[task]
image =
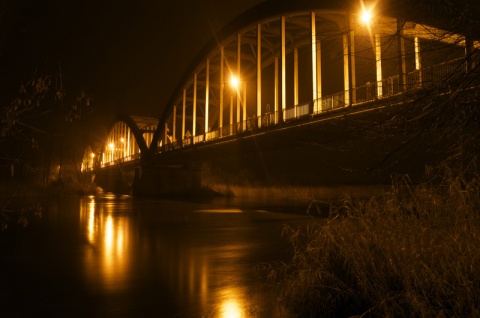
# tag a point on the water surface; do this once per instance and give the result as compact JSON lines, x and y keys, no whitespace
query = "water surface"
{"x":122,"y":256}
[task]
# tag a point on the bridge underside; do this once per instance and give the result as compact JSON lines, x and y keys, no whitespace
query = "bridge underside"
{"x":349,"y":147}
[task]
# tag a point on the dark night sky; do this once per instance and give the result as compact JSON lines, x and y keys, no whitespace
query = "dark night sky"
{"x":127,"y":54}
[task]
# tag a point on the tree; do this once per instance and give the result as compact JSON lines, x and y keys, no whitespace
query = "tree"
{"x":34,"y":129}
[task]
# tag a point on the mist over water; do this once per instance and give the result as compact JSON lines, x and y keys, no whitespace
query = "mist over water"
{"x":124,"y":256}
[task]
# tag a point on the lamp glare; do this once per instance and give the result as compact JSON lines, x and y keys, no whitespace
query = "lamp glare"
{"x":234,"y":81}
{"x":366,"y":16}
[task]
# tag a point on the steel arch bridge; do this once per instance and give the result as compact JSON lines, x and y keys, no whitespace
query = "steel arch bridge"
{"x":276,"y":64}
{"x":128,"y":137}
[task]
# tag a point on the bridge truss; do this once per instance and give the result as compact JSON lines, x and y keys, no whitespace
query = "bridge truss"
{"x":294,"y":64}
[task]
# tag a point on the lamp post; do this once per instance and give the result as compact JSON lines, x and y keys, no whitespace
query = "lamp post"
{"x":367,"y":18}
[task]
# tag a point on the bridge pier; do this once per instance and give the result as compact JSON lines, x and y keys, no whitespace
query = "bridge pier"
{"x":114,"y":179}
{"x":166,"y":181}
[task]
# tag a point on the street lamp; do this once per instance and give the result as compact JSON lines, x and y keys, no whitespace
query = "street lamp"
{"x":234,"y":81}
{"x":366,"y":15}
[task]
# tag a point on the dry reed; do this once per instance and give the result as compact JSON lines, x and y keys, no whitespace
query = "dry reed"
{"x":415,"y":252}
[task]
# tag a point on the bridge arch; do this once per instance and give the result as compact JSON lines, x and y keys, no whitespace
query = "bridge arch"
{"x":281,"y":52}
{"x":128,"y":138}
{"x":89,"y":160}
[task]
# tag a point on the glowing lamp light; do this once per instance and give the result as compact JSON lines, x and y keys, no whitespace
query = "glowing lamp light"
{"x":366,"y":16}
{"x":92,"y":155}
{"x":111,"y":146}
{"x":234,"y":81}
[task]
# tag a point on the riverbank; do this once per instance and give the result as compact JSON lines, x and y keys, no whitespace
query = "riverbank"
{"x":413,"y":253}
{"x":299,"y":193}
{"x":21,"y":201}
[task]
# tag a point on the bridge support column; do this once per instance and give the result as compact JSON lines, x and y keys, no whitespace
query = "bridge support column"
{"x":165,"y":137}
{"x":222,"y":88}
{"x":231,"y":114}
{"x":418,"y":62}
{"x":184,"y":106}
{"x":207,"y":94}
{"x":295,"y":79}
{"x":284,"y":77}
{"x":259,"y":75}
{"x":194,"y":116}
{"x":349,"y":63}
{"x":275,"y":90}
{"x":316,"y":67}
{"x":378,"y":64}
{"x":165,"y":181}
{"x":239,"y":61}
{"x":244,"y":102}
{"x":174,"y":126}
{"x":129,"y":148}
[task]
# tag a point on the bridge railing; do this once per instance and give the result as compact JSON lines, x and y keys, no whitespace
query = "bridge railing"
{"x":328,"y":103}
{"x":269,"y":119}
{"x":121,"y":160}
{"x":298,"y":111}
{"x":371,"y":91}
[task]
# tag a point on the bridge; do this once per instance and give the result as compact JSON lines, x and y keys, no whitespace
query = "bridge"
{"x":285,"y":67}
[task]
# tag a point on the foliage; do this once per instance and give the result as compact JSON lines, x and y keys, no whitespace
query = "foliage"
{"x":414,"y":253}
{"x":36,"y":120}
{"x":34,"y":126}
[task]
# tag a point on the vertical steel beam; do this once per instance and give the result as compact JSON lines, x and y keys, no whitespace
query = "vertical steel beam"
{"x":349,"y":62}
{"x":174,"y":125}
{"x":314,"y":59}
{"x":165,"y":136}
{"x":244,"y":102}
{"x":222,"y":88}
{"x":240,"y":79}
{"x":378,"y":64}
{"x":284,"y":81}
{"x":319,"y":72}
{"x":207,"y":94}
{"x":129,"y":148}
{"x":295,"y":76}
{"x":259,"y":75}
{"x":418,"y":61}
{"x":194,"y":116}
{"x":124,"y":136}
{"x":346,"y":73}
{"x":275,"y":90}
{"x":231,"y":113}
{"x":184,"y":111}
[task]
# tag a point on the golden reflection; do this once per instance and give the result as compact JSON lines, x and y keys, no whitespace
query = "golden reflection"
{"x":91,"y":221}
{"x":231,"y":306}
{"x":107,"y":235}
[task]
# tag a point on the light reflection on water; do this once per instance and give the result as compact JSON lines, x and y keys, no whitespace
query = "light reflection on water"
{"x":108,"y":244}
{"x":199,"y":256}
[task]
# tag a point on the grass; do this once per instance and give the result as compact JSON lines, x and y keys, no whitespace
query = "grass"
{"x":414,"y":252}
{"x":295,"y":193}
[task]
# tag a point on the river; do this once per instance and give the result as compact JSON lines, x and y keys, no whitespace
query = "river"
{"x":119,"y":256}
